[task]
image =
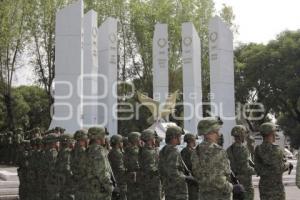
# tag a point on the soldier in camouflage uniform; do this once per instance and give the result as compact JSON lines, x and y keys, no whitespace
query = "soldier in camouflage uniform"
{"x":32,"y":170}
{"x":78,"y":165}
{"x":172,"y":168}
{"x":63,"y":167}
{"x":50,"y":158}
{"x":23,"y":168}
{"x":133,"y":174}
{"x":270,"y":165}
{"x":99,"y":170}
{"x":115,"y":157}
{"x":210,"y":163}
{"x":1,"y":147}
{"x":186,"y":155}
{"x":148,"y":160}
{"x":239,"y":157}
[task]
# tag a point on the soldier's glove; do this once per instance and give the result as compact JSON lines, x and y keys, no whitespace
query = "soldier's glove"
{"x":191,"y":180}
{"x":291,"y":167}
{"x":238,"y":192}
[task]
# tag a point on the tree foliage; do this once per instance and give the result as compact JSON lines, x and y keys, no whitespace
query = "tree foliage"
{"x":270,"y":74}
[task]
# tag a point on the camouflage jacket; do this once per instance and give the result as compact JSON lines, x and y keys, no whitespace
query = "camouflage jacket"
{"x":239,"y":157}
{"x":115,"y":157}
{"x":211,"y":167}
{"x":171,"y":163}
{"x":186,"y":155}
{"x":131,"y":159}
{"x":148,"y":159}
{"x":50,"y":157}
{"x":78,"y":162}
{"x":99,"y":170}
{"x":269,"y":160}
{"x":63,"y":163}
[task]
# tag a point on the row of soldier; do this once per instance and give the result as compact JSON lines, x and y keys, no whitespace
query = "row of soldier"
{"x":10,"y":142}
{"x":136,"y":169}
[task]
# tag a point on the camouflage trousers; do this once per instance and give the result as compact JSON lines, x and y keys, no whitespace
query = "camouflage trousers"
{"x":271,"y":188}
{"x":246,"y":181}
{"x":175,"y":190}
{"x":193,"y":191}
{"x":151,"y":187}
{"x":134,"y":191}
{"x":215,"y":196}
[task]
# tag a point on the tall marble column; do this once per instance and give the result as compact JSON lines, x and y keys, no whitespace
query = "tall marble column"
{"x":67,"y":108}
{"x":222,"y":75}
{"x":90,"y":92}
{"x":160,"y":63}
{"x":108,"y":52}
{"x":192,"y":85}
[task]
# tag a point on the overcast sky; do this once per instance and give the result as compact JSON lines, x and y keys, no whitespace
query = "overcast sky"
{"x":261,"y":20}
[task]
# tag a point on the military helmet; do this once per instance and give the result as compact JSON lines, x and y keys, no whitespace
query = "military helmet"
{"x":134,"y":137}
{"x":148,"y":134}
{"x":116,"y":139}
{"x":209,"y":124}
{"x":66,"y":138}
{"x":189,"y":137}
{"x":267,"y":128}
{"x":51,"y":138}
{"x":96,"y":133}
{"x":59,"y":129}
{"x":238,"y":131}
{"x":173,"y":131}
{"x":81,"y":135}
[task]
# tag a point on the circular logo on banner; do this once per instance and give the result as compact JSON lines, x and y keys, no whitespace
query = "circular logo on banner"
{"x":187,"y":41}
{"x":162,"y":42}
{"x":213,"y":36}
{"x":113,"y":37}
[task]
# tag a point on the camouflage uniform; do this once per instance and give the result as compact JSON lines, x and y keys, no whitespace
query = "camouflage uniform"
{"x":50,"y":158}
{"x":115,"y":157}
{"x":148,"y":160}
{"x":171,"y":168}
{"x":298,"y":171}
{"x":78,"y":165}
{"x":210,"y":164}
{"x":23,"y":168}
{"x":99,"y":170}
{"x":133,"y":175}
{"x":239,"y":157}
{"x":63,"y":168}
{"x":186,"y":155}
{"x":270,"y":165}
{"x":32,"y":171}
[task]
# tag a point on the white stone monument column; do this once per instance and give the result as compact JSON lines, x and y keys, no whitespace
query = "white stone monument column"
{"x":67,"y":108}
{"x":160,"y":63}
{"x":192,"y":85}
{"x":90,"y":86}
{"x":108,"y":52}
{"x":222,"y":75}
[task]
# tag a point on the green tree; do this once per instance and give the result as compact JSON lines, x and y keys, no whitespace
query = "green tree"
{"x":37,"y":100}
{"x":13,"y":37}
{"x":269,"y":74}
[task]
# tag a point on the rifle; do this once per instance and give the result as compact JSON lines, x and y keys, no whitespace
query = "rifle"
{"x":238,"y":189}
{"x":189,"y":177}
